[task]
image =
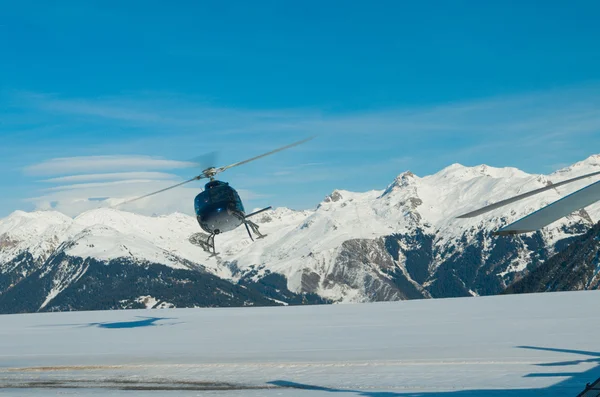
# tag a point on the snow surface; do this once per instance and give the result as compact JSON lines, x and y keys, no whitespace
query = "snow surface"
{"x":514,"y":345}
{"x":301,"y":241}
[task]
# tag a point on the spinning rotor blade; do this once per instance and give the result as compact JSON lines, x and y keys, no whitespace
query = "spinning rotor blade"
{"x":524,"y":195}
{"x":553,"y":212}
{"x":206,"y":160}
{"x":221,"y":169}
{"x":210,"y":171}
{"x":162,"y":190}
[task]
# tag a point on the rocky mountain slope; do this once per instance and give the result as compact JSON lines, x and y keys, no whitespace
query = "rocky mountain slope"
{"x":577,"y":267}
{"x":402,"y":242}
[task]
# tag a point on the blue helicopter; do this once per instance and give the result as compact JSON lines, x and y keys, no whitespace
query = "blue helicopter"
{"x":218,"y":207}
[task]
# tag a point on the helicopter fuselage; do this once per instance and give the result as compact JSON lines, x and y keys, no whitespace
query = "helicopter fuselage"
{"x":219,"y":208}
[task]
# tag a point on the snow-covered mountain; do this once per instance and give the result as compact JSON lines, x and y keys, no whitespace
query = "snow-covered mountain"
{"x":401,"y":242}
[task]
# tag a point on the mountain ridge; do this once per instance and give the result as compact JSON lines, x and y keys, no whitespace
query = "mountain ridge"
{"x":400,"y":242}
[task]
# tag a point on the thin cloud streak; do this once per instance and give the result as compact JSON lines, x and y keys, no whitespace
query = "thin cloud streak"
{"x":518,"y":111}
{"x":532,"y":117}
{"x":534,"y":130}
{"x":102,"y":163}
{"x":111,"y":176}
{"x":568,"y":112}
{"x":73,"y":202}
{"x":164,"y":110}
{"x":98,"y":184}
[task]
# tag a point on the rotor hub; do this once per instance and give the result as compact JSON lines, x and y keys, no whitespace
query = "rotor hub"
{"x":210,"y":173}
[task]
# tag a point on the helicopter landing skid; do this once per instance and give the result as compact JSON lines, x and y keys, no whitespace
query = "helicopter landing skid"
{"x":208,"y":244}
{"x":254,"y":227}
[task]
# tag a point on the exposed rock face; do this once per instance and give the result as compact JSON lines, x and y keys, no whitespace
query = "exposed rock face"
{"x":577,"y":267}
{"x":367,"y":266}
{"x":334,"y":197}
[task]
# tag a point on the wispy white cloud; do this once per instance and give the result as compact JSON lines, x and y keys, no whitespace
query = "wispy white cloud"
{"x":74,"y":194}
{"x":75,"y":199}
{"x":102,"y":163}
{"x":110,"y":176}
{"x":165,"y":111}
{"x":531,"y":119}
{"x":74,"y":202}
{"x":89,"y":108}
{"x":533,"y":131}
{"x":80,"y":186}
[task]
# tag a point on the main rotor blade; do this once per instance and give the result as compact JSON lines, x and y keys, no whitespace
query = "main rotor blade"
{"x":160,"y":191}
{"x":221,"y":169}
{"x":524,"y":195}
{"x":553,"y":212}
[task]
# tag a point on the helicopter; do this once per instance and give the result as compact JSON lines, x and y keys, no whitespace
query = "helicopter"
{"x":219,"y":208}
{"x":548,"y":214}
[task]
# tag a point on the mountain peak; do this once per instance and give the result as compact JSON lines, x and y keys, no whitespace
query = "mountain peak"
{"x":19,"y":213}
{"x":462,"y":172}
{"x":334,"y":196}
{"x":593,"y":159}
{"x":590,"y":164}
{"x":36,"y":219}
{"x":403,"y":180}
{"x":37,"y":214}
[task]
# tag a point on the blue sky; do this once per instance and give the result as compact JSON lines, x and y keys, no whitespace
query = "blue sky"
{"x":134,"y":89}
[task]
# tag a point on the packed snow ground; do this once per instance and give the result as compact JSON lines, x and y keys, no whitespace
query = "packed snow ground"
{"x":517,"y":345}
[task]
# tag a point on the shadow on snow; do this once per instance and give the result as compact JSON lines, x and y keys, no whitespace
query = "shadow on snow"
{"x":575,"y":381}
{"x":146,"y":322}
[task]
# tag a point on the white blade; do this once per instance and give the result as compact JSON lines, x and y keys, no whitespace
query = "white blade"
{"x":524,"y":195}
{"x":553,"y":212}
{"x":159,"y":191}
{"x":221,"y":169}
{"x":213,"y":171}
